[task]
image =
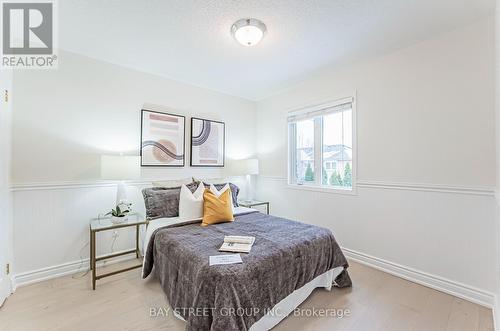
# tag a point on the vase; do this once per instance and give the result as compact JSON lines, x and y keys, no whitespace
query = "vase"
{"x":118,"y":220}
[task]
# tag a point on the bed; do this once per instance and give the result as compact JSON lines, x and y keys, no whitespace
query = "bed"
{"x":287,"y":262}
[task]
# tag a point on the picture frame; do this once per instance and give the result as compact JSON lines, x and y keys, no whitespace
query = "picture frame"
{"x":208,"y":143}
{"x":162,"y":139}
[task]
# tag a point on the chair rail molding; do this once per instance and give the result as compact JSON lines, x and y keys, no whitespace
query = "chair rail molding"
{"x":61,"y":185}
{"x":441,"y":188}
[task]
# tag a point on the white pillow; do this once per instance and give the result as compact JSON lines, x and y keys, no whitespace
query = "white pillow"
{"x":191,"y":204}
{"x":222,"y":190}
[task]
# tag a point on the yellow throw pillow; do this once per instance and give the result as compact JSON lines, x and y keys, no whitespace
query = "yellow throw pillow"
{"x":217,"y":209}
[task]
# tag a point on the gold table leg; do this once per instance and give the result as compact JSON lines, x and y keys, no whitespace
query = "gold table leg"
{"x":137,"y":241}
{"x":90,"y":248}
{"x":92,"y":259}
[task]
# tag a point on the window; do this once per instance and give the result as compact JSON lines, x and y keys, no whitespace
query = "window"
{"x":321,"y":146}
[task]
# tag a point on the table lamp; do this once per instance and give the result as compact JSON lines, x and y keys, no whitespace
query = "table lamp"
{"x":248,"y":168}
{"x":120,"y":168}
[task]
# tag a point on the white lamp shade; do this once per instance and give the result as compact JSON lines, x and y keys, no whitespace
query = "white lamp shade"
{"x":122,"y":167}
{"x":249,"y":167}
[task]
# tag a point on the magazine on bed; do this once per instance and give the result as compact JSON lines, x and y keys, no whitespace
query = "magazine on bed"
{"x":238,"y":244}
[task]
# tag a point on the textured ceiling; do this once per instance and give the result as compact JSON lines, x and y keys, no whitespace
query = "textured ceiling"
{"x":189,"y":40}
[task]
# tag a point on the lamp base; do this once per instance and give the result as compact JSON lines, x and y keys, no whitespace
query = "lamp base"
{"x":249,"y":195}
{"x":121,"y":193}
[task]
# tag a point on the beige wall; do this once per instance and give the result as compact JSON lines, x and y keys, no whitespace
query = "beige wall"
{"x":426,"y":143}
{"x":66,"y":118}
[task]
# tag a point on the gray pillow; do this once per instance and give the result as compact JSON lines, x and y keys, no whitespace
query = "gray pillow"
{"x":163,"y":201}
{"x":235,"y":190}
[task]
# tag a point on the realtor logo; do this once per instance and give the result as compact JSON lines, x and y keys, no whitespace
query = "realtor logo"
{"x":28,"y":34}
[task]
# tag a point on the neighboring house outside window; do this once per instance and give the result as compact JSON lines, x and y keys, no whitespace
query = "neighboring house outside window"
{"x":321,"y":146}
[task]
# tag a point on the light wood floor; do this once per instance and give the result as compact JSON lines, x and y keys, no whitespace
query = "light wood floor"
{"x":377,"y":301}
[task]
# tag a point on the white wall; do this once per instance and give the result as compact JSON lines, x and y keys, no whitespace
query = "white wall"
{"x":64,"y":120}
{"x":6,"y":232}
{"x":426,"y":160}
{"x":497,"y":193}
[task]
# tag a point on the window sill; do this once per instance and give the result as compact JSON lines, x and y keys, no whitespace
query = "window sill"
{"x":332,"y":190}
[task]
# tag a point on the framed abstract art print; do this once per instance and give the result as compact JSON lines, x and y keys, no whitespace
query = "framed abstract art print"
{"x":207,"y":143}
{"x":162,"y":139}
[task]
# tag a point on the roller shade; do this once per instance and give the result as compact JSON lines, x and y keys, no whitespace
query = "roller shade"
{"x":310,"y":112}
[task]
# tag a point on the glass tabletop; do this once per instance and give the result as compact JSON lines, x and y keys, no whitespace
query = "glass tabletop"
{"x":251,"y":202}
{"x":104,"y":222}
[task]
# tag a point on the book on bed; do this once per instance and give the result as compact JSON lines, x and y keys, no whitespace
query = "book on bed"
{"x":238,"y":244}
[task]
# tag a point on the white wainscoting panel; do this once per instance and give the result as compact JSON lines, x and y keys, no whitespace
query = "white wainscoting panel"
{"x":436,"y":235}
{"x":441,"y":284}
{"x":51,"y":226}
{"x":81,"y":266}
{"x":439,"y":237}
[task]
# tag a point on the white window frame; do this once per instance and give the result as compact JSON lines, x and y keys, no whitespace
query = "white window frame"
{"x":317,"y":109}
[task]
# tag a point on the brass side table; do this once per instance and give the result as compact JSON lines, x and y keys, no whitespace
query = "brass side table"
{"x":253,"y":203}
{"x":104,"y":224}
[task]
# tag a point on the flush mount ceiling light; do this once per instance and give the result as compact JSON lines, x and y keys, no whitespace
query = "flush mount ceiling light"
{"x":248,"y":31}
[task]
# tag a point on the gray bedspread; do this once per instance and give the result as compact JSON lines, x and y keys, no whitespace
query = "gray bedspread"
{"x":285,"y":256}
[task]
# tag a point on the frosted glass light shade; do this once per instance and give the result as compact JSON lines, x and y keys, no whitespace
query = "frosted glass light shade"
{"x":248,"y":35}
{"x":248,"y":31}
{"x":120,"y":167}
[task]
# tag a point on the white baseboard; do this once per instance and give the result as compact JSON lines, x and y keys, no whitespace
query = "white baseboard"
{"x":39,"y":275}
{"x":459,"y":290}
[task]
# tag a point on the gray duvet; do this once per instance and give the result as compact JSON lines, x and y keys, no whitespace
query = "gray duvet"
{"x":285,"y":256}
